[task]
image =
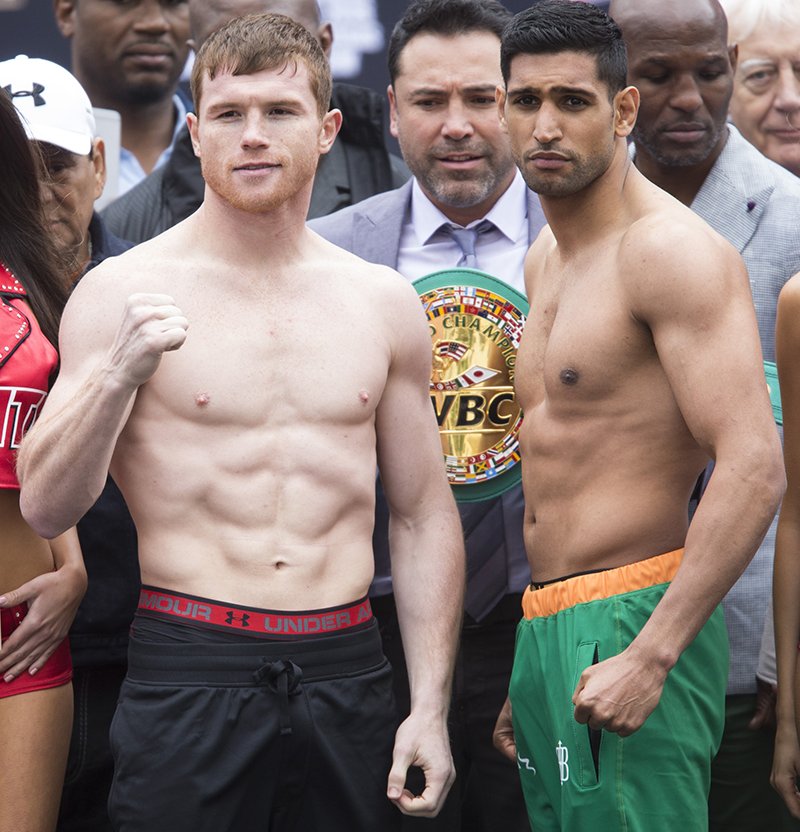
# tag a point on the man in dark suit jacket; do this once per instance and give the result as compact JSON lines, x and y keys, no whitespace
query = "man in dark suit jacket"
{"x":444,"y":66}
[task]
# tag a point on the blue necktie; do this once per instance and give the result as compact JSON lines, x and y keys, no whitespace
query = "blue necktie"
{"x":466,"y":239}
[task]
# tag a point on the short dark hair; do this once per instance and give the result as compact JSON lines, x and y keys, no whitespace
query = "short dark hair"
{"x":445,"y":17}
{"x":246,"y":45}
{"x":553,"y":26}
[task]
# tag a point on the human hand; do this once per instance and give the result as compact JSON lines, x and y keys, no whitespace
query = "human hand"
{"x":618,"y":694}
{"x":418,"y":743}
{"x":151,"y":326}
{"x":786,"y":767}
{"x":53,"y":600}
{"x":503,"y":735}
{"x":766,"y":700}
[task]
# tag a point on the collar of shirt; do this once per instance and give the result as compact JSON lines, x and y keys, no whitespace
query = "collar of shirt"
{"x":130,"y":171}
{"x":508,"y":214}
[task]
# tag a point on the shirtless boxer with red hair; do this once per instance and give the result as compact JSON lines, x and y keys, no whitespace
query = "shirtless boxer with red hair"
{"x":258,"y":376}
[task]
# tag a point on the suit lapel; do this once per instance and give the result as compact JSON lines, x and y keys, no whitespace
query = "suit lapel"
{"x":729,"y":205}
{"x":377,"y":228}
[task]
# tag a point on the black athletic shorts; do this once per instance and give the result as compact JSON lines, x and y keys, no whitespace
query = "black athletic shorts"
{"x":225,"y":733}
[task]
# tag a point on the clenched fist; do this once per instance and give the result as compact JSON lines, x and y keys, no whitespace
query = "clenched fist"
{"x":151,"y":326}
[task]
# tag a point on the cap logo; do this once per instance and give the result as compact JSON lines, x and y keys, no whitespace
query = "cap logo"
{"x":35,"y":93}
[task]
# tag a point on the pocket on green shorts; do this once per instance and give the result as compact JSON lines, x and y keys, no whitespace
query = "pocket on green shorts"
{"x":587,"y":740}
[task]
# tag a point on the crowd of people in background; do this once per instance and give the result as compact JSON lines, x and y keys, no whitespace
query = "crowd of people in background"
{"x":611,"y":643}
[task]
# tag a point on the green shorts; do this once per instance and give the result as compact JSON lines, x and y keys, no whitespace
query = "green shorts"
{"x":576,"y":779}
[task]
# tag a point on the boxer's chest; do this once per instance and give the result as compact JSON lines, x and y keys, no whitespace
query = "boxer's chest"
{"x":275,"y":363}
{"x":580,"y":340}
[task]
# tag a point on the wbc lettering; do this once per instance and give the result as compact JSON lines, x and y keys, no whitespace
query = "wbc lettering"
{"x":471,"y":409}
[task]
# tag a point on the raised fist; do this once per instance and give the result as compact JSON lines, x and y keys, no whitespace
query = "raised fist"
{"x":151,"y":326}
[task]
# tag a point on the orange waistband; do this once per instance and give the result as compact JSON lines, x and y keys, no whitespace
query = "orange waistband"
{"x":562,"y":595}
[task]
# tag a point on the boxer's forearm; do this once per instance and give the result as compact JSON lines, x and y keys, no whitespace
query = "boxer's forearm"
{"x":66,"y":549}
{"x":428,"y":576}
{"x":64,"y":459}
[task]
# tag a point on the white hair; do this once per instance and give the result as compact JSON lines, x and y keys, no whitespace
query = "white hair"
{"x":747,"y":17}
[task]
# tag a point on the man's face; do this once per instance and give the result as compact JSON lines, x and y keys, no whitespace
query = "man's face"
{"x":259,"y":136}
{"x":685,"y":78}
{"x":766,"y":96}
{"x":126,"y":51}
{"x":559,"y":120}
{"x":444,"y":116}
{"x":69,"y":186}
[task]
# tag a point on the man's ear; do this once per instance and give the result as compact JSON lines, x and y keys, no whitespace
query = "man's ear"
{"x":191,"y":123}
{"x":626,"y":108}
{"x":325,"y":38}
{"x":500,"y":98}
{"x":64,"y":11}
{"x":99,"y":164}
{"x":331,"y":124}
{"x":733,"y":55}
{"x":392,"y":110}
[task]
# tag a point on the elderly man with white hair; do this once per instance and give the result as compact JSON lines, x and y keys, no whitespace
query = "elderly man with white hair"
{"x":766,"y":98}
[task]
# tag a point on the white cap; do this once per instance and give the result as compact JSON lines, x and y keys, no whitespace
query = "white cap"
{"x":51,"y":102}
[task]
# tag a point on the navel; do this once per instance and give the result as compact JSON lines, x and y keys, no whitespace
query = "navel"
{"x":569,"y":376}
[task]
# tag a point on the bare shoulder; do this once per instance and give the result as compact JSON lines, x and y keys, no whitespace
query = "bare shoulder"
{"x":97,"y":303}
{"x":378,"y":283}
{"x":787,"y":332}
{"x":790,"y":296}
{"x":670,"y":256}
{"x":541,"y":248}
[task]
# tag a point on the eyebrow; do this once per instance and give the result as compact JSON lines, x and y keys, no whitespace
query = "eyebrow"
{"x":666,"y":61}
{"x":561,"y":89}
{"x":749,"y":64}
{"x":440,"y":90}
{"x":224,"y":106}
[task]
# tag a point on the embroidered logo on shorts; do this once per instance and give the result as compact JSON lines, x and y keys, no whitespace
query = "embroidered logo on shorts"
{"x":524,"y":763}
{"x":562,"y":753}
{"x":243,"y":619}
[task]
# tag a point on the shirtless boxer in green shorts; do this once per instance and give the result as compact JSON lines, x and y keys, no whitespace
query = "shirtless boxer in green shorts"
{"x":640,"y":361}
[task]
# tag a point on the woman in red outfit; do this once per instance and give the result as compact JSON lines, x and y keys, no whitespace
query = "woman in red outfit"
{"x":41,"y":582}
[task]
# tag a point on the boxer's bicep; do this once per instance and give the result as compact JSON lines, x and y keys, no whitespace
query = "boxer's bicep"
{"x":409,"y":451}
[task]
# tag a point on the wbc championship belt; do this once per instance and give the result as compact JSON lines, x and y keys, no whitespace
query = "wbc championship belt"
{"x":476,"y":323}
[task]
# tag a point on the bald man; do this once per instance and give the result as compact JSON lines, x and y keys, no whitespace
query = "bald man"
{"x":679,"y":58}
{"x":358,"y":166}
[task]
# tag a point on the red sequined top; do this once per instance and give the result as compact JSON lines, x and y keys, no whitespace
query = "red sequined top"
{"x":27,"y":359}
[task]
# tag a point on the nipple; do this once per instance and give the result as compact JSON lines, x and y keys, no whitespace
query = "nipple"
{"x":569,"y":376}
{"x":202,"y":399}
{"x":363,"y":396}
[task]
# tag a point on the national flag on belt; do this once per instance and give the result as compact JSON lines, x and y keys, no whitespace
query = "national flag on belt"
{"x":473,"y":376}
{"x":451,"y":349}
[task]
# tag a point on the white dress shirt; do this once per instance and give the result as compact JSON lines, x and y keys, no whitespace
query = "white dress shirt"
{"x":500,"y":252}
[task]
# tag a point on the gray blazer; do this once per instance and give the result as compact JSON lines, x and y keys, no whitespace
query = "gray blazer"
{"x":371,"y":229}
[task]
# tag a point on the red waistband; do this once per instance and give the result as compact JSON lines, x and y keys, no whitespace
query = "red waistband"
{"x":252,"y":621}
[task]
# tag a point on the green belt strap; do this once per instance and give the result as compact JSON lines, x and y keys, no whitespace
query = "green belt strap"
{"x":771,"y":372}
